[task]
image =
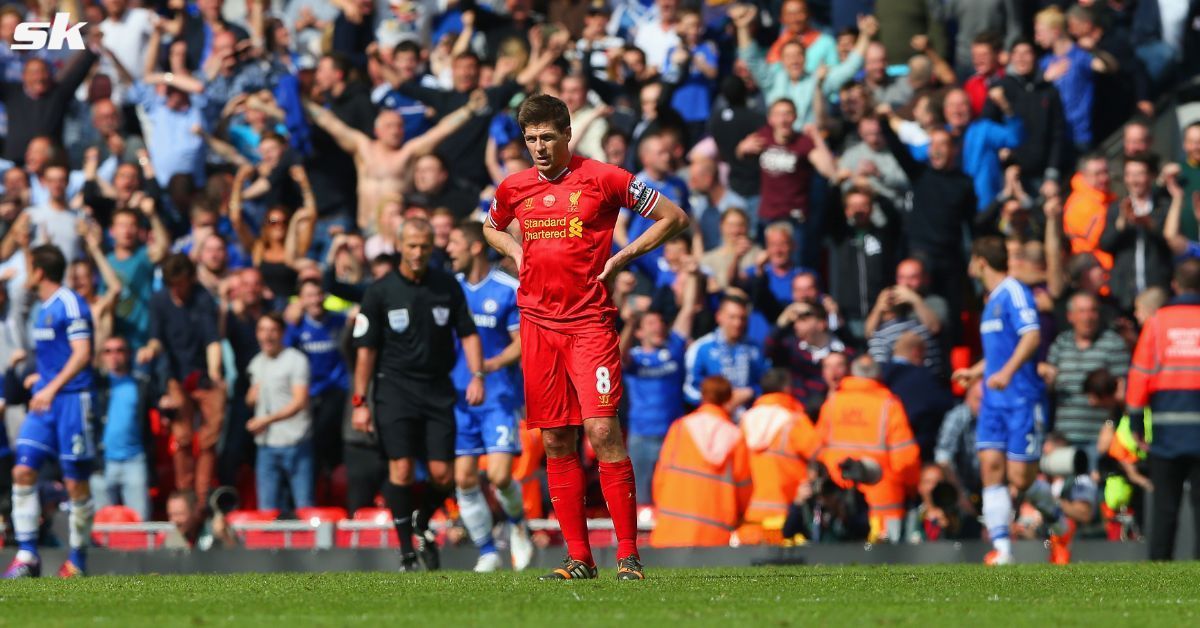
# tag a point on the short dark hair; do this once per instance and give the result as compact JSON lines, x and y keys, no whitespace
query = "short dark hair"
{"x":1022,"y":41}
{"x":1150,"y":160}
{"x":1187,"y":276}
{"x":51,"y":261}
{"x":407,"y":45}
{"x":544,"y":109}
{"x":993,"y":251}
{"x":776,"y":381}
{"x":274,"y":317}
{"x":784,"y":101}
{"x":734,"y":299}
{"x":126,"y":211}
{"x":270,"y":135}
{"x":468,"y":55}
{"x":472,"y":231}
{"x":818,"y":309}
{"x":1099,"y":382}
{"x":341,"y":63}
{"x":309,"y":282}
{"x":614,"y":132}
{"x":178,"y":266}
{"x":734,"y":89}
{"x":989,"y":39}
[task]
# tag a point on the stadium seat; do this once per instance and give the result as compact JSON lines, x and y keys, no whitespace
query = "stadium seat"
{"x":124,"y":541}
{"x":384,"y":536}
{"x":307,"y":539}
{"x":258,"y":539}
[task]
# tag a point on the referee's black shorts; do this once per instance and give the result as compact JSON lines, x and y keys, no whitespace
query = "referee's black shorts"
{"x":416,"y":420}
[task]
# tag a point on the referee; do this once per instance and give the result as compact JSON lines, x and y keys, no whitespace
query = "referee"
{"x":404,"y":336}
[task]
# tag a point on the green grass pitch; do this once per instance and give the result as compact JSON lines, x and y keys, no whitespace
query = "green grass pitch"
{"x":958,"y":595}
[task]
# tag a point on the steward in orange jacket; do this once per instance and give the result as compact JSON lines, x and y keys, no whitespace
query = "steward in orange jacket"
{"x":1165,"y":377}
{"x":781,"y":440}
{"x":1086,"y":210}
{"x":865,"y":420}
{"x":702,"y":481}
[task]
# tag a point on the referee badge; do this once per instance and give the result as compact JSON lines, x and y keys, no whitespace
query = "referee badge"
{"x":398,"y":320}
{"x":361,"y":325}
{"x":441,"y":316}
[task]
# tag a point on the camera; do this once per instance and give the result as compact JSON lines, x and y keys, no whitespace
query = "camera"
{"x":860,"y":470}
{"x":224,"y":500}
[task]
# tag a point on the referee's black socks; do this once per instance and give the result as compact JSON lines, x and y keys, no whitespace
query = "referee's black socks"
{"x":399,"y":500}
{"x":434,"y":497}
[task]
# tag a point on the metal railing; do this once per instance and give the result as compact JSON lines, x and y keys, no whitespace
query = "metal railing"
{"x":314,"y":533}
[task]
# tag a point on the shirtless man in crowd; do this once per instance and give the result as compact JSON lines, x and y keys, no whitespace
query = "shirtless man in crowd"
{"x":383,"y":163}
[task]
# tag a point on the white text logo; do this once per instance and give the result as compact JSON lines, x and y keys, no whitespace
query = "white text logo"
{"x":44,"y":35}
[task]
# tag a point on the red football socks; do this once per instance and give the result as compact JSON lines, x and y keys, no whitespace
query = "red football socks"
{"x":567,"y":488}
{"x":616,"y":481}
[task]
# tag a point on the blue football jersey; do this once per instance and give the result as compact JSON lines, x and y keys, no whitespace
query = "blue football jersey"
{"x":1009,"y":314}
{"x":63,"y":317}
{"x":318,"y":340}
{"x":493,"y":304}
{"x":654,"y":385}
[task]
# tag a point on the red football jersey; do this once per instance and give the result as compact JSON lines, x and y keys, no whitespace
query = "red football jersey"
{"x":566,"y":236}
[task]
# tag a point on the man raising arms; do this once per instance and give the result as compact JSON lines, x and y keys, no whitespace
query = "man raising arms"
{"x":566,"y":207}
{"x":383,"y":163}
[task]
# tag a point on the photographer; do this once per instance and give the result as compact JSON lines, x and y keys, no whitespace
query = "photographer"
{"x":937,"y":516}
{"x":194,"y":530}
{"x":825,"y":513}
{"x":851,"y":425}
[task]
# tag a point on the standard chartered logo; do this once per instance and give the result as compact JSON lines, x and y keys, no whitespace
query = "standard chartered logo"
{"x":552,"y":228}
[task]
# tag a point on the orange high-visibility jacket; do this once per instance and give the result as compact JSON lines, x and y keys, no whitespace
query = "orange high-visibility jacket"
{"x":702,"y":482}
{"x":1165,"y":377}
{"x":1084,"y":216}
{"x":865,"y":420}
{"x":781,"y":440}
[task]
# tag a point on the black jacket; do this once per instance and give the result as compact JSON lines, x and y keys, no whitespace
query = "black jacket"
{"x":1153,"y":255}
{"x":334,"y":179}
{"x":193,"y":36}
{"x":1044,"y":151}
{"x":29,"y":118}
{"x":942,"y":202}
{"x":464,"y":149}
{"x":862,"y":262}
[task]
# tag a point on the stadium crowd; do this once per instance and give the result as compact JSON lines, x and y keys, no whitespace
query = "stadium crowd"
{"x":225,"y":179}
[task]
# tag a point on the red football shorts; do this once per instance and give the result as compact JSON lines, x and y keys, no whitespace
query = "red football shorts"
{"x":569,"y":376}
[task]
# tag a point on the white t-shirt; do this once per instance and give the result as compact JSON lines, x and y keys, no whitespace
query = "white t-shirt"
{"x":275,"y":378}
{"x":656,"y":42}
{"x":127,"y":39}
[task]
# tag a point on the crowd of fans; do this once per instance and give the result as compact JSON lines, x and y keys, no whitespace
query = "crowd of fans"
{"x":226,"y":177}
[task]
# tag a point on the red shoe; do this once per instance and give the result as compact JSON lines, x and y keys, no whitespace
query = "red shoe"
{"x":70,"y":570}
{"x":995,"y":559}
{"x":1060,"y":545}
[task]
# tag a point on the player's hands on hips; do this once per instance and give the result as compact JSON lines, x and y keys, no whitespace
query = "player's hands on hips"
{"x":475,"y":391}
{"x":41,"y":401}
{"x":999,"y":380}
{"x":611,"y":268}
{"x":360,"y":420}
{"x":31,"y":380}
